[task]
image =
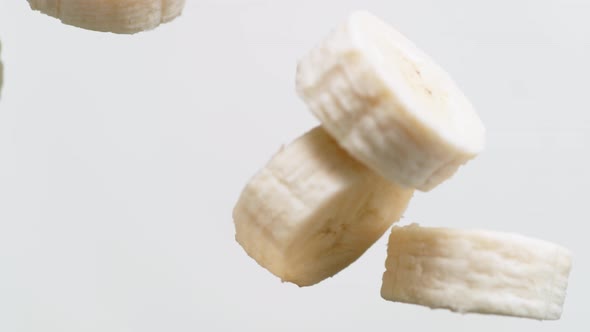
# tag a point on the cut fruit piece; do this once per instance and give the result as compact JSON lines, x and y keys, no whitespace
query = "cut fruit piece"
{"x":117,"y":16}
{"x":1,"y":71}
{"x":476,"y":271}
{"x":389,"y":105}
{"x":313,"y":210}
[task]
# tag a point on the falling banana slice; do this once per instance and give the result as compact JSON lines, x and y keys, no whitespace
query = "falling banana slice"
{"x":118,"y":16}
{"x":313,"y":210}
{"x":476,"y":271}
{"x":388,"y":104}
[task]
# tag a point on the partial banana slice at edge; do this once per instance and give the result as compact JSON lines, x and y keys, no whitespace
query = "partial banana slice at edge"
{"x":389,"y":104}
{"x":1,"y":70}
{"x":476,"y":271}
{"x":313,"y":210}
{"x":117,"y":16}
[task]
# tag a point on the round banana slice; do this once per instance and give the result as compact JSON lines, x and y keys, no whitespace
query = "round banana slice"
{"x":117,"y":16}
{"x":313,"y":210}
{"x":476,"y":271}
{"x":388,"y":104}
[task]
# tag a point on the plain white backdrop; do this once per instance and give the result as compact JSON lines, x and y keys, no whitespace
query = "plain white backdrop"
{"x":121,"y":158}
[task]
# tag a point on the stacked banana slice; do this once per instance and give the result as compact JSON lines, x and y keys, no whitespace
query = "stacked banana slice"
{"x":392,"y":121}
{"x":389,"y":105}
{"x":313,"y":210}
{"x":117,"y":16}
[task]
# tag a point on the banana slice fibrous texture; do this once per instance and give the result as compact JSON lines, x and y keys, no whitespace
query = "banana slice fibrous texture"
{"x":476,"y":272}
{"x":389,"y":104}
{"x":117,"y":16}
{"x":313,"y":210}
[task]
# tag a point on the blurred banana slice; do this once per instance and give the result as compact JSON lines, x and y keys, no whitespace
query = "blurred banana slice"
{"x":1,"y":70}
{"x":117,"y":16}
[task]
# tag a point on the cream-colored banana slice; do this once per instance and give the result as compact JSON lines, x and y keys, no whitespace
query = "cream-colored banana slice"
{"x":389,"y":104}
{"x":476,"y":271}
{"x":117,"y":16}
{"x":313,"y":210}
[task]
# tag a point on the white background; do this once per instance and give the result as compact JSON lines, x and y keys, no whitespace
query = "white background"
{"x":121,"y":158}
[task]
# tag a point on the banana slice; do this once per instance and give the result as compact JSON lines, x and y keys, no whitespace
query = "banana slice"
{"x":313,"y":210}
{"x":118,"y":16}
{"x":476,"y":271}
{"x":388,"y":104}
{"x":1,"y":70}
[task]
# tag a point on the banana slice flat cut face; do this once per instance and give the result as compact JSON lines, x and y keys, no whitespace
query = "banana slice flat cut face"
{"x":476,"y":271}
{"x":313,"y":210}
{"x":388,"y":104}
{"x":117,"y":16}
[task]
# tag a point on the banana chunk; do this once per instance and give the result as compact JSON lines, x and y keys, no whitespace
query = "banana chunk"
{"x":388,"y":104}
{"x":313,"y":210}
{"x":117,"y":16}
{"x":476,"y":271}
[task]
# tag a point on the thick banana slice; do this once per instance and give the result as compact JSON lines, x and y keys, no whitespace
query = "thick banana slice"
{"x":118,"y":16}
{"x":388,"y":104}
{"x":313,"y":210}
{"x":476,"y":271}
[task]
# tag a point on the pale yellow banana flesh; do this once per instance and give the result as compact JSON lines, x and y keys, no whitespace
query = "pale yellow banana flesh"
{"x":117,"y":16}
{"x":313,"y":210}
{"x":388,"y":104}
{"x":476,"y":271}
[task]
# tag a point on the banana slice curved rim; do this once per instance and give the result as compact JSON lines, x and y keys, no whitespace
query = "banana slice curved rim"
{"x":116,"y":16}
{"x":389,"y":104}
{"x":475,"y":271}
{"x":313,"y":210}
